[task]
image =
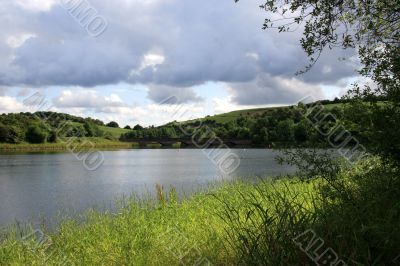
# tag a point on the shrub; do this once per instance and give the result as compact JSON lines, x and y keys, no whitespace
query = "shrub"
{"x":113,"y":124}
{"x":53,"y":138}
{"x":92,"y":130}
{"x":138,"y":127}
{"x":4,"y":133}
{"x":35,"y":134}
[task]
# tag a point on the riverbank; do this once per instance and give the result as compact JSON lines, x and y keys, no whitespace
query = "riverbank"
{"x":158,"y":231}
{"x":85,"y":144}
{"x":266,"y":223}
{"x":78,"y":144}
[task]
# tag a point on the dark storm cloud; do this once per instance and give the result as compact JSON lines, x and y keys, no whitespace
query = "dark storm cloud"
{"x":267,"y":89}
{"x":199,"y":40}
{"x":172,"y":95}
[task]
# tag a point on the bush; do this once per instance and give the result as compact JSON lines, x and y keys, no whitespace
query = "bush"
{"x":74,"y":130}
{"x":92,"y":130}
{"x":113,"y":124}
{"x":53,"y":138}
{"x":138,"y":127}
{"x":4,"y":133}
{"x":36,"y":135}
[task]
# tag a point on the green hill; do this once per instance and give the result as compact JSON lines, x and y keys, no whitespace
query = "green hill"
{"x":50,"y":127}
{"x":251,"y":113}
{"x":263,"y":127}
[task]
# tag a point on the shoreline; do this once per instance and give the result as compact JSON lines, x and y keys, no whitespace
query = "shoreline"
{"x":48,"y":147}
{"x":96,"y":144}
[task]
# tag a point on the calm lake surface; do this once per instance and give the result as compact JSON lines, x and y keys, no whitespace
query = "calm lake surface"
{"x":34,"y":187}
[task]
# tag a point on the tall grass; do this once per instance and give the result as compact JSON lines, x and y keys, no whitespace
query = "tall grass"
{"x":140,"y":232}
{"x":356,"y":215}
{"x":262,"y":227}
{"x":231,"y":224}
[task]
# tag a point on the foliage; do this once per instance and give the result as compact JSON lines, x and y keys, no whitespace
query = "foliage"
{"x":138,"y":127}
{"x":53,"y":137}
{"x":112,"y":124}
{"x":14,"y":127}
{"x":350,"y":220}
{"x":373,"y":29}
{"x":4,"y":133}
{"x":36,"y":134}
{"x":92,"y":130}
{"x":285,"y":125}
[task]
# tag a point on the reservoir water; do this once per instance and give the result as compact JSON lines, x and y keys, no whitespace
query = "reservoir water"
{"x":40,"y":186}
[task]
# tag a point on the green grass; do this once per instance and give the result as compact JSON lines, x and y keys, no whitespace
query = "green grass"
{"x":232,"y":116}
{"x":144,"y":232}
{"x":84,"y":143}
{"x":115,"y":132}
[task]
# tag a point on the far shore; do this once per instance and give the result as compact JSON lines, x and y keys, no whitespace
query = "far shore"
{"x":88,"y":144}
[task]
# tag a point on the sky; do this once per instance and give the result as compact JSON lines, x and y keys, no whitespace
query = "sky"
{"x":122,"y":60}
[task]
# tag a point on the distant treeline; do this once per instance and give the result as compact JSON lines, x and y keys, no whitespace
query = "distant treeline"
{"x":41,"y":127}
{"x":290,"y":125}
{"x":287,"y":125}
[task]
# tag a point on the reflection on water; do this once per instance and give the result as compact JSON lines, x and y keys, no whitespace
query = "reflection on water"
{"x":33,"y":185}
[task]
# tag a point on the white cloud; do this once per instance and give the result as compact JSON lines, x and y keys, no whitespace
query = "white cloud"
{"x":253,"y":55}
{"x":36,"y":5}
{"x":87,"y":99}
{"x":16,"y":41}
{"x":146,"y":115}
{"x":10,"y":105}
{"x":152,"y":60}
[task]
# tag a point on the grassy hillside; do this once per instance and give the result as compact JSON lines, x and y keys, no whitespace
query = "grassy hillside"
{"x":250,"y":113}
{"x":115,"y":132}
{"x":53,"y":128}
{"x":262,"y":127}
{"x":232,"y":116}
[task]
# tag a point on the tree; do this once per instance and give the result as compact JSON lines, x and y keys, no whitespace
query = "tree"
{"x":4,"y":133}
{"x":113,"y":124}
{"x":284,"y":130}
{"x":138,"y":127}
{"x":74,"y":130}
{"x":264,"y":136}
{"x":301,"y":131}
{"x":36,"y":135}
{"x":243,"y":133}
{"x":127,"y":127}
{"x":90,"y":130}
{"x":373,"y":29}
{"x":53,"y":138}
